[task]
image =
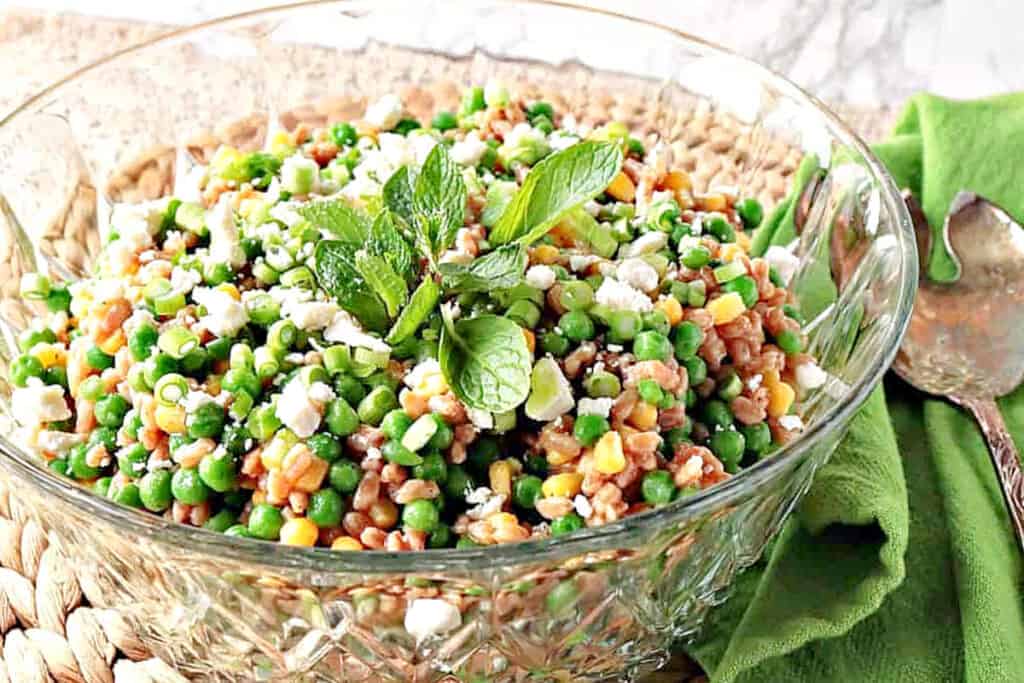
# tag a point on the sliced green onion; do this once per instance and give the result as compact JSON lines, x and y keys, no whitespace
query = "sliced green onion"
{"x":177,"y":340}
{"x":170,"y":389}
{"x":337,"y":359}
{"x":264,"y":273}
{"x":241,"y":406}
{"x":377,"y":359}
{"x":191,"y":217}
{"x":311,"y":374}
{"x":263,"y":310}
{"x":157,"y":288}
{"x":35,"y":286}
{"x":265,"y":362}
{"x":300,"y":276}
{"x":729,"y":271}
{"x":241,"y":356}
{"x":282,"y":335}
{"x":169,"y":303}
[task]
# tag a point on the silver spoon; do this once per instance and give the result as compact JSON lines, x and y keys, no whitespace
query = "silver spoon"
{"x":966,"y":338}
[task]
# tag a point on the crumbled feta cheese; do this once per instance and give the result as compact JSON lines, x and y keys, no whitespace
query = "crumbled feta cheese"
{"x":119,"y":257}
{"x":580,"y":262}
{"x":489,"y":505}
{"x":59,"y":323}
{"x":286,"y":297}
{"x":697,"y":225}
{"x":541,"y":277}
{"x":422,"y":372}
{"x":224,"y":316}
{"x":194,"y":399}
{"x":583,"y":507}
{"x":755,"y":382}
{"x":478,"y":495}
{"x":188,"y":185}
{"x":595,"y":406}
{"x":345,"y":330}
{"x":785,"y":263}
{"x":791,"y":423}
{"x":688,"y":242}
{"x":455,"y":256}
{"x":57,"y":442}
{"x":559,"y":140}
{"x":524,"y":135}
{"x":659,"y":158}
{"x":422,"y":144}
{"x":184,"y":280}
{"x":469,"y":150}
{"x":296,"y":410}
{"x":427,"y":617}
{"x":37,"y":403}
{"x":810,"y":376}
{"x":481,"y":419}
{"x":648,"y":243}
{"x":385,"y":113}
{"x":321,"y":393}
{"x":312,"y":315}
{"x":225,"y":243}
{"x":139,"y":221}
{"x":614,"y":348}
{"x":619,"y":296}
{"x":107,"y":289}
{"x":372,"y":457}
{"x":395,"y":149}
{"x":638,"y":274}
{"x":284,"y":212}
{"x":361,"y":189}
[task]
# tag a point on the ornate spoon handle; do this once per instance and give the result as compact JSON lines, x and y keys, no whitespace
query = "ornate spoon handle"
{"x":1005,"y":459}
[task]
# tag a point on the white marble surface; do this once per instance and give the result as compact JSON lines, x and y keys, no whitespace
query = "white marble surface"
{"x":859,"y":52}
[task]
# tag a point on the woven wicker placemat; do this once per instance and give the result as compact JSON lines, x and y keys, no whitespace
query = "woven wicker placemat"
{"x":48,"y":632}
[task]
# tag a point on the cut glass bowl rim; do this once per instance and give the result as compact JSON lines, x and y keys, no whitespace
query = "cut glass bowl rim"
{"x":208,"y":545}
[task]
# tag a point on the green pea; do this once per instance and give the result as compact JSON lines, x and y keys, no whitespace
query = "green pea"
{"x":395,"y":452}
{"x":238,"y":531}
{"x":59,"y":299}
{"x":326,"y":508}
{"x":720,"y":229}
{"x":657,"y":321}
{"x":340,"y":418}
{"x":420,"y":515}
{"x":24,"y":367}
{"x":730,"y":386}
{"x":577,"y":326}
{"x":524,"y":313}
{"x":98,"y":360}
{"x":221,"y":522}
{"x":265,"y":522}
{"x":441,"y":537}
{"x":695,"y":257}
{"x":325,"y":446}
{"x":207,"y":421}
{"x":127,"y":494}
{"x":395,"y":424}
{"x":159,"y":365}
{"x":540,"y":108}
{"x":466,"y":543}
{"x":482,"y":454}
{"x":728,"y":445}
{"x":350,"y":389}
{"x":110,"y":410}
{"x":458,"y":482}
{"x":155,"y":490}
{"x":472,"y":101}
{"x":793,"y":312}
{"x":790,"y":342}
{"x":142,"y":341}
{"x":623,"y":326}
{"x":602,"y":384}
{"x":194,"y":362}
{"x":78,"y":464}
{"x":30,"y":337}
{"x":746,"y":287}
{"x":444,"y":435}
{"x":555,"y":344}
{"x":576,"y":296}
{"x":658,"y":488}
{"x":343,"y":134}
{"x":218,"y":472}
{"x":717,"y":414}
{"x":687,"y":337}
{"x":131,"y":460}
{"x":527,"y":491}
{"x":696,"y":371}
{"x":589,"y":428}
{"x":650,"y":345}
{"x":59,"y":466}
{"x":433,"y":468}
{"x":56,"y":374}
{"x":376,"y":405}
{"x":758,"y":437}
{"x":566,"y":525}
{"x":345,"y":476}
{"x":444,"y":120}
{"x":750,"y":212}
{"x":101,"y":487}
{"x":188,"y":487}
{"x":650,"y":391}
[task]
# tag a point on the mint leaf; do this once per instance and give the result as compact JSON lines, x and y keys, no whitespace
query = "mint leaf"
{"x":338,"y":219}
{"x":387,"y":242}
{"x":485,"y":361}
{"x":439,"y":200}
{"x":397,"y":193}
{"x":558,"y":183}
{"x":499,"y":196}
{"x":500,"y":269}
{"x":337,"y":273}
{"x":383,"y":280}
{"x":421,"y":305}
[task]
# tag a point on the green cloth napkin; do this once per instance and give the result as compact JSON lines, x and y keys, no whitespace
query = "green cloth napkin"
{"x":900,"y":565}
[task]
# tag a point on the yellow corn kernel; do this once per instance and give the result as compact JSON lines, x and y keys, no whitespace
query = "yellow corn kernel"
{"x":726,"y":308}
{"x":743,"y":240}
{"x":272,"y":456}
{"x":644,"y":416}
{"x":622,"y":188}
{"x":111,"y":344}
{"x":771,"y":378}
{"x":431,"y":384}
{"x":608,"y":455}
{"x":531,"y":340}
{"x":230,"y":290}
{"x":500,"y":476}
{"x":81,"y":304}
{"x":564,"y":485}
{"x":672,"y":309}
{"x":545,"y":254}
{"x":780,"y":398}
{"x":559,"y":458}
{"x":171,"y":419}
{"x":503,"y":519}
{"x":313,"y":477}
{"x":48,"y":354}
{"x":713,"y":202}
{"x":346,"y":543}
{"x":730,"y":252}
{"x":678,"y":180}
{"x":299,"y":531}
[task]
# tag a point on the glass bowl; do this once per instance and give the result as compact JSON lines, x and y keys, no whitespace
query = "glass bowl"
{"x":603,"y":604}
